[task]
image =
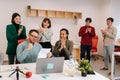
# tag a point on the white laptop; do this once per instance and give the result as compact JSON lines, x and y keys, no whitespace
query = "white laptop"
{"x":49,"y":65}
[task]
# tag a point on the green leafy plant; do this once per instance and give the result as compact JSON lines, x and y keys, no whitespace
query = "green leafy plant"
{"x":85,"y":66}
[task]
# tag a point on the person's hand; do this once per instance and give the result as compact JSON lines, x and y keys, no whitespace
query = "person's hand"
{"x":30,"y":45}
{"x":49,"y":55}
{"x":103,"y":31}
{"x":20,"y":31}
{"x":89,"y":29}
{"x":86,"y":30}
{"x":63,"y":42}
{"x":42,"y":30}
{"x":61,"y":48}
{"x":62,"y":45}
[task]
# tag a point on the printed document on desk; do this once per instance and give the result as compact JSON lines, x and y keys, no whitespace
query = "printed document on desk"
{"x":43,"y":52}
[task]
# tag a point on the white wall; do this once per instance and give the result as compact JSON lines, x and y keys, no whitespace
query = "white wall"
{"x":104,"y":14}
{"x":89,"y":8}
{"x":110,"y":8}
{"x":115,"y":13}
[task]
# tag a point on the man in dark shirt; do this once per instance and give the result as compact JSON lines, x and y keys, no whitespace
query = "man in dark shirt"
{"x":86,"y":33}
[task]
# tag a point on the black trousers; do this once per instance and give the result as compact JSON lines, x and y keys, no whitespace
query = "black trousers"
{"x":46,"y":45}
{"x":11,"y":59}
{"x":64,"y":54}
{"x":85,"y":52}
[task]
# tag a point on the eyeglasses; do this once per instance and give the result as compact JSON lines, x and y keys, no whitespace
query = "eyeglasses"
{"x":34,"y":36}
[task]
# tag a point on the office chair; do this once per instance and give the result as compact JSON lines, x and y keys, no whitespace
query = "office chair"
{"x":1,"y":58}
{"x":21,"y":40}
{"x":94,"y":47}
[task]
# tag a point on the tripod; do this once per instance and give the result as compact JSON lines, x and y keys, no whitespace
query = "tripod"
{"x":17,"y":70}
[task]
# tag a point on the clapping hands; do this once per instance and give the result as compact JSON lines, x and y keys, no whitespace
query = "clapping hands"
{"x":42,"y":30}
{"x":103,"y":31}
{"x":20,"y":30}
{"x":88,"y":30}
{"x":63,"y":42}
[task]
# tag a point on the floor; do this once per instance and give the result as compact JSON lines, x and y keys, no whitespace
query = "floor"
{"x":99,"y":63}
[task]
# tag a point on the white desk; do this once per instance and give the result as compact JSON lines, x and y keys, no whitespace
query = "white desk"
{"x":54,"y":76}
{"x":112,"y":65}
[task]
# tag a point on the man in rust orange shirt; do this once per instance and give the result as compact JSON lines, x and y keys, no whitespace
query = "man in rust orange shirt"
{"x":86,"y":33}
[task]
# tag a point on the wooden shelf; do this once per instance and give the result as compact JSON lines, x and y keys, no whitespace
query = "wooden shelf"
{"x":54,"y":14}
{"x":32,"y":12}
{"x":42,"y":13}
{"x":60,"y":14}
{"x":51,"y":14}
{"x":68,"y":15}
{"x":78,"y":15}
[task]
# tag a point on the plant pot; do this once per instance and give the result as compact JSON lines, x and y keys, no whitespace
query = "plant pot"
{"x":83,"y":74}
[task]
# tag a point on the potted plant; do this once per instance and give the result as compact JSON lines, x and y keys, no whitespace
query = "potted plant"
{"x":83,"y":72}
{"x":85,"y":67}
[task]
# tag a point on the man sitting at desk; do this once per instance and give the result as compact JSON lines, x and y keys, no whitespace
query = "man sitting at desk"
{"x":28,"y":50}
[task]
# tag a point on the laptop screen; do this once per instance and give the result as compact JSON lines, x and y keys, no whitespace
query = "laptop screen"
{"x":49,"y":65}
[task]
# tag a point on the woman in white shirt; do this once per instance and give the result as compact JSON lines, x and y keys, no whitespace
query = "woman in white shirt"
{"x":45,"y":33}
